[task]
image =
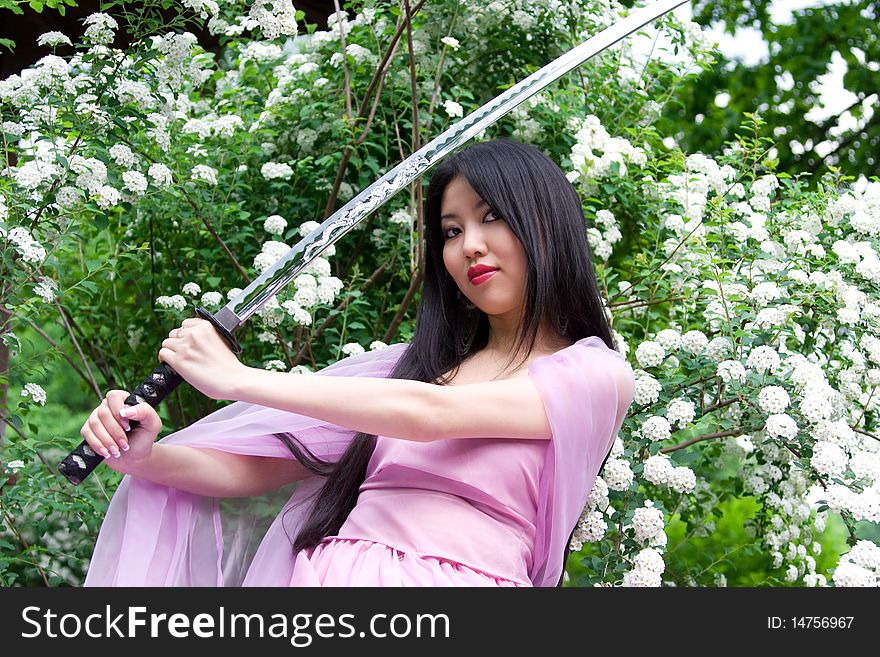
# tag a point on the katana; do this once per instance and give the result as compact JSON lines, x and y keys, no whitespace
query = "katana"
{"x":163,"y":380}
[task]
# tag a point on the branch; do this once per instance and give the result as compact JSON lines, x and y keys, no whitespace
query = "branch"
{"x":11,"y":522}
{"x":94,"y":383}
{"x":82,"y":374}
{"x":407,"y":300}
{"x":865,"y":433}
{"x":708,"y":436}
{"x":378,"y":77}
{"x":344,"y":60}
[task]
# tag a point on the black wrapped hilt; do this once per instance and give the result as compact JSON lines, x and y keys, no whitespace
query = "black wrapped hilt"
{"x":157,"y":386}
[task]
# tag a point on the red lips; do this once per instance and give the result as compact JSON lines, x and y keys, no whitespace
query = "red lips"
{"x":478,"y":270}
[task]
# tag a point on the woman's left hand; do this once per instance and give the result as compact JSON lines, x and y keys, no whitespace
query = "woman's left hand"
{"x":199,"y":354}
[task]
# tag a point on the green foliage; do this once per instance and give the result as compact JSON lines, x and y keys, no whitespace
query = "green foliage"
{"x":785,"y":88}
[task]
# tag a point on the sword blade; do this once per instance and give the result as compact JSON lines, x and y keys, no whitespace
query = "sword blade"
{"x":274,"y":278}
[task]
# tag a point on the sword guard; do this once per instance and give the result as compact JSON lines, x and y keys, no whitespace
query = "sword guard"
{"x":233,"y":343}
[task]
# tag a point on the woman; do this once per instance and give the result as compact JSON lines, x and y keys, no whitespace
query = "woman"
{"x":462,"y":458}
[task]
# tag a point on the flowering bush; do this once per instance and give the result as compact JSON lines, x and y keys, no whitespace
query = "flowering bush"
{"x":146,"y":182}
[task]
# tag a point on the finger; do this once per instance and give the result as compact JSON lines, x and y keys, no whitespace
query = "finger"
{"x":113,"y":425}
{"x":116,"y":402}
{"x":146,"y":415}
{"x":96,"y":445}
{"x":101,"y":434}
{"x":191,"y":321}
{"x":166,"y":355}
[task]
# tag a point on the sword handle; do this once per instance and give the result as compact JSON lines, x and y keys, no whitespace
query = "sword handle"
{"x":157,"y":386}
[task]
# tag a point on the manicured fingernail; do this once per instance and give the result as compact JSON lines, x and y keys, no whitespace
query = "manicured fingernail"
{"x":124,"y":446}
{"x":126,"y":426}
{"x":124,"y":412}
{"x":104,"y":453}
{"x":115,"y":453}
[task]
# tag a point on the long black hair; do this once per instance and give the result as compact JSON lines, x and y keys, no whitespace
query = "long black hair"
{"x":531,"y":193}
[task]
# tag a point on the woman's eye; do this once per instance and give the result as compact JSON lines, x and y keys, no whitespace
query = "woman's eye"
{"x":490,"y":213}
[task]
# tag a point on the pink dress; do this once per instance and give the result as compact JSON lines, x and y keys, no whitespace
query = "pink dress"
{"x":451,"y":512}
{"x":462,"y":512}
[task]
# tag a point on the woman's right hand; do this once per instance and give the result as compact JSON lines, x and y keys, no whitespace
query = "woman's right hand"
{"x":105,"y":431}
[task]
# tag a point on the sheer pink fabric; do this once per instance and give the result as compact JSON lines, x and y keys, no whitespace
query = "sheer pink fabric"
{"x":159,"y":536}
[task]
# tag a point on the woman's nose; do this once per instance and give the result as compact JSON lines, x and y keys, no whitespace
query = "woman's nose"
{"x":474,"y":244}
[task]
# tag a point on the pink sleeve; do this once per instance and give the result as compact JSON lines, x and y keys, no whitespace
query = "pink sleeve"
{"x":155,"y":535}
{"x":579,"y":387}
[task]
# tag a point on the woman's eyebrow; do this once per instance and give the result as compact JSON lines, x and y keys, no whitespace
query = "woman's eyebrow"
{"x":452,"y":215}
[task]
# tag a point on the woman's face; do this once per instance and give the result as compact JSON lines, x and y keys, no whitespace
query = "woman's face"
{"x":474,"y":234}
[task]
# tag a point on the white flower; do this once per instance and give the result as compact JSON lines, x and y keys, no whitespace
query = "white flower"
{"x":352,"y":349}
{"x":204,"y":172}
{"x":650,"y":354}
{"x":647,"y":521}
{"x":850,"y":574}
{"x":122,"y":155}
{"x":100,"y":30}
{"x":763,"y":358}
{"x":781,"y":424}
{"x":192,"y":289}
{"x":453,"y":109}
{"x":306,"y":297}
{"x":656,"y":428}
{"x":617,"y":474}
{"x":828,"y":459}
{"x":683,"y":480}
{"x":658,"y":469}
{"x":135,"y":182}
{"x":305,"y":280}
{"x":107,"y":196}
{"x":647,"y":388}
{"x":670,"y":339}
{"x":592,"y":527}
{"x":651,"y":560}
{"x":177,"y":302}
{"x":773,"y":399}
{"x":14,"y":466}
{"x":212,"y":299}
{"x":35,"y":392}
{"x":302,"y":317}
{"x":681,"y":412}
{"x":13,"y":128}
{"x":401,"y":218}
{"x":275,"y":224}
{"x":719,"y":348}
{"x":325,"y":294}
{"x":375,"y":345}
{"x":731,"y":370}
{"x":642,"y":578}
{"x":232,"y":293}
{"x":694,"y":341}
{"x":276,"y":365}
{"x":744,"y":442}
{"x":274,"y":170}
{"x":53,"y":39}
{"x":308,"y":227}
{"x":45,"y":289}
{"x":29,"y":250}
{"x":160,"y":174}
{"x":815,"y":407}
{"x":451,"y":42}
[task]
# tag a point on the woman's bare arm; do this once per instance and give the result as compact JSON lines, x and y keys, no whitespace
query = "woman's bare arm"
{"x":215,"y":473}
